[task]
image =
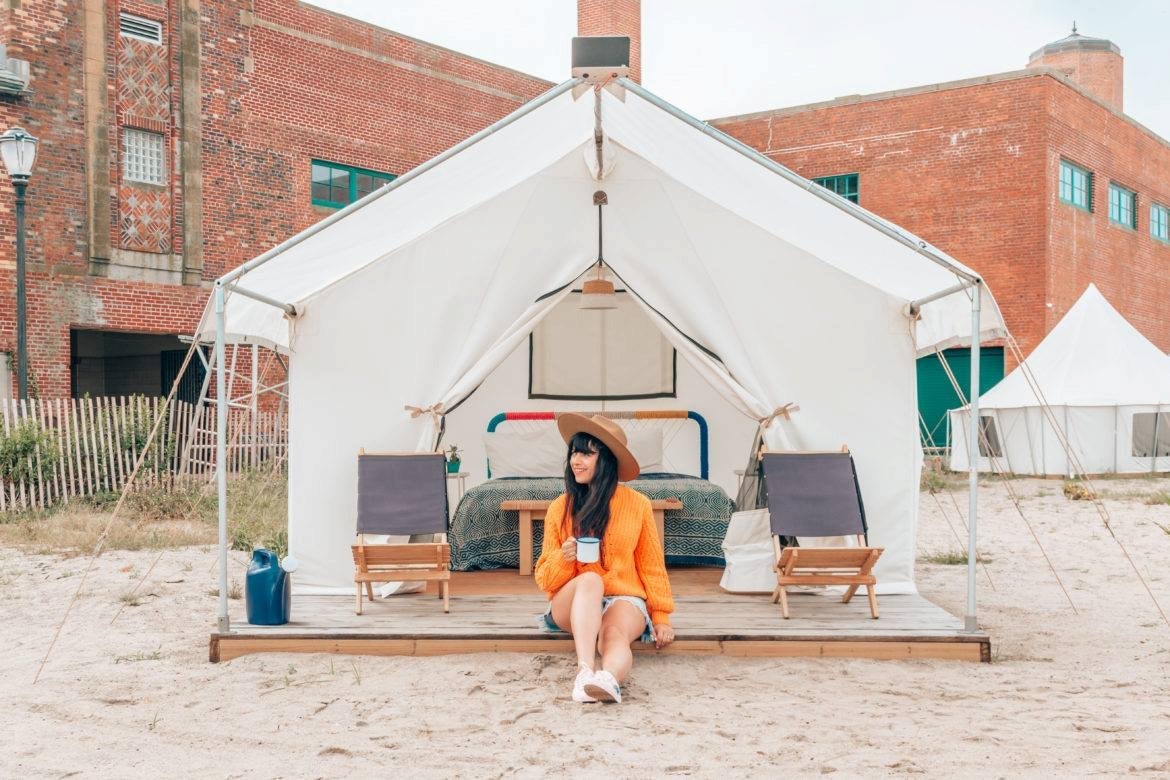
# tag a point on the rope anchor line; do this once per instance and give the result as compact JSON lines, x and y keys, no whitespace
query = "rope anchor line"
{"x":1079,"y":471}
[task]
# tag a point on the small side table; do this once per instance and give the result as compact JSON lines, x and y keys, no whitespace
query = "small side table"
{"x":460,"y":480}
{"x":530,"y":510}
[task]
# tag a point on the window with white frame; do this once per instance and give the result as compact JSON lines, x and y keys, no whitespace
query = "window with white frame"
{"x":142,"y":156}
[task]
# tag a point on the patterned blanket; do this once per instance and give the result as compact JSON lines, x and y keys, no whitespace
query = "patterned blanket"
{"x":483,"y":537}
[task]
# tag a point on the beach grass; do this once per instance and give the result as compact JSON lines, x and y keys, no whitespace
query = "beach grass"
{"x":946,"y":558}
{"x":157,"y":518}
{"x":1161,"y":497}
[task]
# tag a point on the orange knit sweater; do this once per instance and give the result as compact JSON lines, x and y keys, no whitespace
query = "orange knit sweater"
{"x":630,"y":549}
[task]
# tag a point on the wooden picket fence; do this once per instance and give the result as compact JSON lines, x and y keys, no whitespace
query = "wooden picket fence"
{"x":54,"y":450}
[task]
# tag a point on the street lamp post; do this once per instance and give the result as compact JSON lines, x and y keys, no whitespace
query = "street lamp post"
{"x":19,"y":151}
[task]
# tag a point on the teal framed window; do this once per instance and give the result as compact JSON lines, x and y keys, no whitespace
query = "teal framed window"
{"x":1122,"y":206}
{"x":1076,"y":186}
{"x":1160,"y":222}
{"x":336,"y":186}
{"x":844,"y":185}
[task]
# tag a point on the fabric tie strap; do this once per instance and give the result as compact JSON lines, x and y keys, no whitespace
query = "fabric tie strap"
{"x":435,"y":410}
{"x":780,"y":411}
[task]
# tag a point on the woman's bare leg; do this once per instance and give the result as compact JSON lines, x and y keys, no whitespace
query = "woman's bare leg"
{"x":576,"y":608}
{"x":621,"y":624}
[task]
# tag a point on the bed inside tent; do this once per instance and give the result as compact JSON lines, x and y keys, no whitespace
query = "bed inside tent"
{"x":688,"y":440}
{"x":448,"y":300}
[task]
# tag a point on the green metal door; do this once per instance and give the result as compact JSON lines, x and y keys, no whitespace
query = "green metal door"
{"x":936,"y":396}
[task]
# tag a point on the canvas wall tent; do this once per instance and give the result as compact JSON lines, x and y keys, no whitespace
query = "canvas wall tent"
{"x":772,"y":289}
{"x":1108,"y":389}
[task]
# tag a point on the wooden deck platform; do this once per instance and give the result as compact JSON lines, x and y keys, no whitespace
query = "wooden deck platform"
{"x":497,"y":612}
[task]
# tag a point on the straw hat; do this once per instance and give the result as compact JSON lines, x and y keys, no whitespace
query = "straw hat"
{"x":606,"y":431}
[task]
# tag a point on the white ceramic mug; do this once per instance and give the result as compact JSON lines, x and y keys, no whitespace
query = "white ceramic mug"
{"x":588,"y":549}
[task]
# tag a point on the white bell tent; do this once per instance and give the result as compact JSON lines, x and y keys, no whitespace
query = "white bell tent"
{"x":1106,"y":388}
{"x":772,"y":289}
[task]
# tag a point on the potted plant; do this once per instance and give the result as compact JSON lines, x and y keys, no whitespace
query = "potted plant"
{"x":453,"y":459}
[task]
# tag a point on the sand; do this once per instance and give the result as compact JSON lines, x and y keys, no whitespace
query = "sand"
{"x":1074,"y":694}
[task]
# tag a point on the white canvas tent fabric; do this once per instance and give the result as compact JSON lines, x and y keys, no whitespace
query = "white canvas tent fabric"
{"x":1097,"y":373}
{"x":774,"y":293}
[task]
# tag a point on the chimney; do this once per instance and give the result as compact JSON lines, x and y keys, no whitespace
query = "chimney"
{"x":614,"y":17}
{"x":1093,"y":63}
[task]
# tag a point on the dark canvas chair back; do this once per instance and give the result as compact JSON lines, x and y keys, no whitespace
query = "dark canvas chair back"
{"x":813,"y":494}
{"x":402,"y":494}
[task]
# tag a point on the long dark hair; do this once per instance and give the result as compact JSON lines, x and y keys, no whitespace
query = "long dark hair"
{"x":589,"y":503}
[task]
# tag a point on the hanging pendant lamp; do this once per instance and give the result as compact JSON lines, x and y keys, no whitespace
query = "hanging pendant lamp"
{"x":598,"y":293}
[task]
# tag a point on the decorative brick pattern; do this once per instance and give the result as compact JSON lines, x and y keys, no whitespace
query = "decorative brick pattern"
{"x":146,"y":219}
{"x":143,"y":81}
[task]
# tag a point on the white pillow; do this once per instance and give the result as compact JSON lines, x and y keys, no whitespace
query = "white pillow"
{"x":646,"y":447}
{"x":526,"y":453}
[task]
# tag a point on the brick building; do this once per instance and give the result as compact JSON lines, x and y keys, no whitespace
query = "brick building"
{"x":1035,"y":178}
{"x":181,"y":138}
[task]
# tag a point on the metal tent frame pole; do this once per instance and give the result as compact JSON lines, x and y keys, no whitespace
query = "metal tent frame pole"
{"x":967,"y":277}
{"x":970,"y":622}
{"x":228,"y":281}
{"x":221,"y":417}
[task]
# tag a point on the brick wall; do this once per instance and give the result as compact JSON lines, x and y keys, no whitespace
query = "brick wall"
{"x":285,"y":83}
{"x":47,"y":35}
{"x":1131,"y":268}
{"x":282,"y":83}
{"x":1099,"y":72}
{"x":962,"y":168}
{"x":973,"y":169}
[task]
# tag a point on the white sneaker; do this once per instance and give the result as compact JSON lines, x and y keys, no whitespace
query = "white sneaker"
{"x":604,"y":687}
{"x":584,"y":676}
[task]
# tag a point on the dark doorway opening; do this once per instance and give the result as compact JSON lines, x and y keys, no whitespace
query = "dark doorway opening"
{"x":117,"y":363}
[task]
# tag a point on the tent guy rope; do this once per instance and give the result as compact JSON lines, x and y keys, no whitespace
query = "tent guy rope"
{"x":101,"y":541}
{"x":1015,"y":499}
{"x":958,"y":513}
{"x":1062,"y":435}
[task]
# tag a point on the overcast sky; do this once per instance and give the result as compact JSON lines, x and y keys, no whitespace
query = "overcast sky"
{"x":715,"y":58}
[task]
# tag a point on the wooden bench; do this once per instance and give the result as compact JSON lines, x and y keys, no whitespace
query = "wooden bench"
{"x":536,"y":510}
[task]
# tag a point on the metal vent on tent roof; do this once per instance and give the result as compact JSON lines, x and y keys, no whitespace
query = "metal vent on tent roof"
{"x":141,"y":29}
{"x":600,"y":57}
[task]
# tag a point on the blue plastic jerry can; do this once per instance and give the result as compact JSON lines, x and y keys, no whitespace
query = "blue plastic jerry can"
{"x":267,"y":590}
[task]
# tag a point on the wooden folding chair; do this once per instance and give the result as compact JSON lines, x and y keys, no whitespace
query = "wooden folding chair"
{"x":402,"y":494}
{"x":815,"y":494}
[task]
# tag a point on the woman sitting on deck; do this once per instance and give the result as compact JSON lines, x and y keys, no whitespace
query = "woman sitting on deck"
{"x":625,"y":594}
